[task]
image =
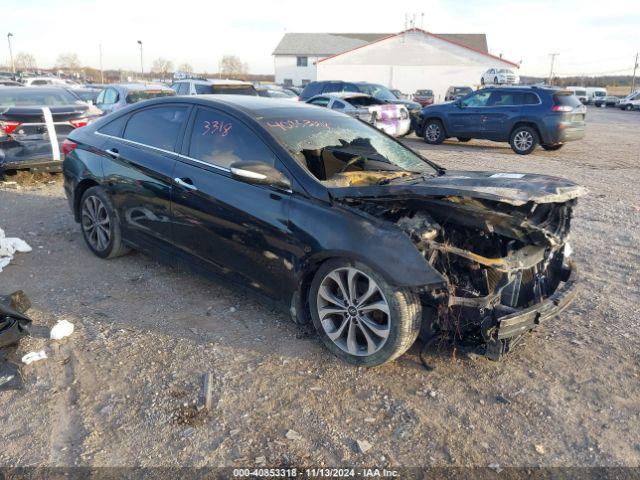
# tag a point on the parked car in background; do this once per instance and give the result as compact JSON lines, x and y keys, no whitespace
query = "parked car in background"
{"x":89,"y":95}
{"x":206,"y":87}
{"x":5,"y":82}
{"x":291,"y":88}
{"x":522,"y":116}
{"x":423,"y":97}
{"x":499,"y":76}
{"x":454,"y":93}
{"x":49,"y":81}
{"x":391,"y":118}
{"x":595,"y":93}
{"x":274,"y":91}
{"x":581,"y":93}
{"x":119,"y":95}
{"x":373,"y":89}
{"x":34,"y":121}
{"x":608,"y":101}
{"x":344,"y":227}
{"x":630,"y":102}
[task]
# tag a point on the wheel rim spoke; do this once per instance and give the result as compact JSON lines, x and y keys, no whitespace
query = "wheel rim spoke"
{"x":96,"y":223}
{"x":353,"y":311}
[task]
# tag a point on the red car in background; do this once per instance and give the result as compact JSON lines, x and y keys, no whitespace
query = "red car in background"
{"x":423,"y":97}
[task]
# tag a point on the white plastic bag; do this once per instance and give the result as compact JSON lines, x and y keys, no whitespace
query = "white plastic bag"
{"x":61,"y":329}
{"x":9,"y":246}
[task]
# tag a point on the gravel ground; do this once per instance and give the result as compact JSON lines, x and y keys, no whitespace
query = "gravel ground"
{"x":121,"y":391}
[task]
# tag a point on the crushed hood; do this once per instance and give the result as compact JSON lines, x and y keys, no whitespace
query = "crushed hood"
{"x":510,"y":188}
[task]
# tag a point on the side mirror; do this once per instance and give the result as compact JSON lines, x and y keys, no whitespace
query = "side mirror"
{"x":259,"y":173}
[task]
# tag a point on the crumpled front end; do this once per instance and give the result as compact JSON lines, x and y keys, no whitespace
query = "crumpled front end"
{"x":507,"y":267}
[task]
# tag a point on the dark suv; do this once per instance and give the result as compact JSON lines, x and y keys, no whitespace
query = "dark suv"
{"x":375,"y":90}
{"x":522,"y":116}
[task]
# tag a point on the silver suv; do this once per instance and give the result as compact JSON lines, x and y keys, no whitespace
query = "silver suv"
{"x":194,"y":86}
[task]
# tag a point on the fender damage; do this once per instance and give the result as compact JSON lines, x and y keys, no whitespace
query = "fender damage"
{"x":499,"y":240}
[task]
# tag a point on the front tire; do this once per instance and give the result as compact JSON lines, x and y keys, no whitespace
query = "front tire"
{"x":433,"y":132}
{"x":628,"y":108}
{"x":524,"y":140}
{"x":359,"y":316}
{"x":100,"y":224}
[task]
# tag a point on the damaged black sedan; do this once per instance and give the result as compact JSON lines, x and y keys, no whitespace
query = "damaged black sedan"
{"x":347,"y":227}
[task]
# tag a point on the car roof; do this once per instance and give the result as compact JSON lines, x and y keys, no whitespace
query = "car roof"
{"x":53,"y":89}
{"x":214,"y":81}
{"x":342,"y":95}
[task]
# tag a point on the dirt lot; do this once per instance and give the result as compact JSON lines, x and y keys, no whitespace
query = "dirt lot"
{"x":121,"y":390}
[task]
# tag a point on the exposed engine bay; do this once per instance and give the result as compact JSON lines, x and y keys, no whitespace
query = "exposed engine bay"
{"x":500,"y":262}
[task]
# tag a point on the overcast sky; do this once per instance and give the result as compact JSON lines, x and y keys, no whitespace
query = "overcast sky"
{"x":592,"y":37}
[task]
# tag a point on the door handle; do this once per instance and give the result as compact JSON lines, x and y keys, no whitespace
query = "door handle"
{"x":185,"y":183}
{"x":113,"y":153}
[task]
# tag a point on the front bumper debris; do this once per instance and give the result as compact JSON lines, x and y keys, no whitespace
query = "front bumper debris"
{"x":509,"y":328}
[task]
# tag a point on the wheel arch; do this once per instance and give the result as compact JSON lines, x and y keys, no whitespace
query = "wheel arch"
{"x":440,"y":118}
{"x":526,"y":123}
{"x":79,"y":190}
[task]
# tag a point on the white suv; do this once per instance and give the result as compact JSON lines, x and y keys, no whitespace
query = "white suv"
{"x":193,"y":86}
{"x":631,"y":101}
{"x":499,"y":76}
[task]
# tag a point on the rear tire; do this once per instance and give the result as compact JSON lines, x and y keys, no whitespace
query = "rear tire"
{"x":628,"y":108}
{"x":100,"y":224}
{"x":553,"y":148}
{"x":524,"y":140}
{"x":433,"y":132}
{"x":384,"y":329}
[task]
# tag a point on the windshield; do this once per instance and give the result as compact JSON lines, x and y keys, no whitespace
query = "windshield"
{"x":233,"y":89}
{"x":342,"y":151}
{"x":600,"y":94}
{"x":504,"y":70}
{"x":139,"y":95}
{"x":22,"y":97}
{"x":378,"y":91}
{"x":464,"y":90}
{"x":424,"y":93}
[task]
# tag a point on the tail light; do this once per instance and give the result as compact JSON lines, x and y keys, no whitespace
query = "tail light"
{"x":7,"y":127}
{"x":79,"y":122}
{"x":68,"y":146}
{"x":561,"y":108}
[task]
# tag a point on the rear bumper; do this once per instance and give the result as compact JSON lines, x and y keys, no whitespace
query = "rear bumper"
{"x":514,"y":324}
{"x":34,"y":155}
{"x":33,"y":165}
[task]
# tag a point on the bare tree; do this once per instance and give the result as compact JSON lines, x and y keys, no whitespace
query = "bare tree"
{"x":186,"y":68}
{"x":161,"y":66}
{"x":68,"y":61}
{"x":232,"y":66}
{"x":25,"y":61}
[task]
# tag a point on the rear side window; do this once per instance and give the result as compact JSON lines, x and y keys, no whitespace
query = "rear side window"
{"x":114,"y":128}
{"x":566,"y":99}
{"x":110,"y":96}
{"x":183,"y":88}
{"x":139,"y":95}
{"x":337,"y":105}
{"x":157,"y":127}
{"x":221,"y":140}
{"x":504,"y":99}
{"x":530,"y":99}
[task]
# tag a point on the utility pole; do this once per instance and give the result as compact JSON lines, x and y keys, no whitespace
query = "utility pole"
{"x":141,"y":63}
{"x":553,"y":59}
{"x":633,"y":80}
{"x":13,"y":65}
{"x":101,"y":71}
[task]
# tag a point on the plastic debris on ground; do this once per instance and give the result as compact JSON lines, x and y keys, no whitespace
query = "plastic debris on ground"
{"x":13,"y":322}
{"x":61,"y":330}
{"x":34,"y":357}
{"x":9,"y":246}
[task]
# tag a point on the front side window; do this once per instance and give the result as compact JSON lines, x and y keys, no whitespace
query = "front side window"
{"x":221,"y":140}
{"x":479,"y":99}
{"x":157,"y":127}
{"x":302,"y":61}
{"x":378,"y":91}
{"x":503,"y":99}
